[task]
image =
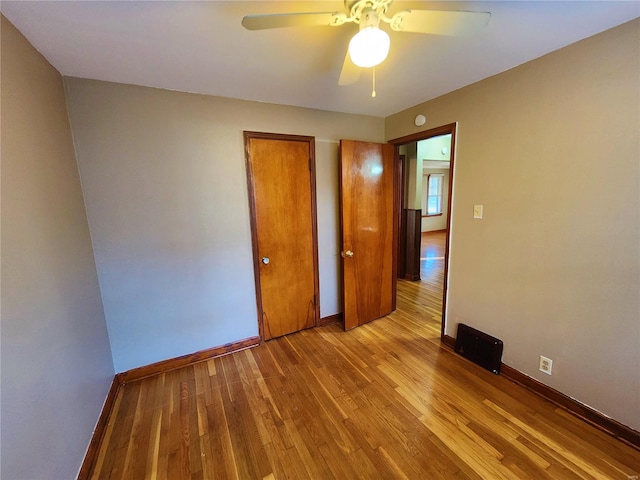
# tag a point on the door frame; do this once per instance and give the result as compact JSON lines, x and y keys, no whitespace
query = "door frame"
{"x":248,"y":136}
{"x":415,"y":137}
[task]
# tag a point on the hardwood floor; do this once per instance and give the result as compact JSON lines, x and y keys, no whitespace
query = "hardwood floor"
{"x":432,"y":245}
{"x":427,"y":294}
{"x":384,"y":400}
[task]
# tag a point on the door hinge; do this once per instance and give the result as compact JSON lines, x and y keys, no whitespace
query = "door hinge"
{"x":310,"y":164}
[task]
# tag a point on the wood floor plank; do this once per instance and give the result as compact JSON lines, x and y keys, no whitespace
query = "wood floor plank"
{"x":384,"y":400}
{"x":570,"y":459}
{"x":100,"y":461}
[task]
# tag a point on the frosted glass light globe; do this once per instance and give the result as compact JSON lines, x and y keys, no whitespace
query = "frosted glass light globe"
{"x":369,"y":47}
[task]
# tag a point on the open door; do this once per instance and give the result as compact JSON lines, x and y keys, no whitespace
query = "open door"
{"x":369,"y":230}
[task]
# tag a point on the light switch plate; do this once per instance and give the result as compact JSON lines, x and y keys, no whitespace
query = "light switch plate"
{"x":477,"y":211}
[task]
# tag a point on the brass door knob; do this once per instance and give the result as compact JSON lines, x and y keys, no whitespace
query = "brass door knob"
{"x":348,"y":253}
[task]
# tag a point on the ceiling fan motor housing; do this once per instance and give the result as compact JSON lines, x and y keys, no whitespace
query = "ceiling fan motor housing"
{"x":369,"y":18}
{"x":360,"y":10}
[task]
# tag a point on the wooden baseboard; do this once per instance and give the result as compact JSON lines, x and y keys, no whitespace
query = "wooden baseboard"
{"x":448,"y":341}
{"x":185,"y":360}
{"x":580,"y":410}
{"x":589,"y":415}
{"x":330,"y":319}
{"x":413,"y":278}
{"x":434,"y":231}
{"x":101,"y":426}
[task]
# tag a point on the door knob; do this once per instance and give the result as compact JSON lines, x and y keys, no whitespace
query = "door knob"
{"x":348,"y":253}
{"x":265,"y":260}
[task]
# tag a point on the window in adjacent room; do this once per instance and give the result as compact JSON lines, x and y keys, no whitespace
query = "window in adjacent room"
{"x":432,"y":186}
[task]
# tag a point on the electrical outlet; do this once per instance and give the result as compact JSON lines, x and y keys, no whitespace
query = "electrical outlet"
{"x":546,"y":365}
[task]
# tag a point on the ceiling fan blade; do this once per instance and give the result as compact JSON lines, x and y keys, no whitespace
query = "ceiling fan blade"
{"x":280,"y":20}
{"x":440,"y":22}
{"x":350,"y":72}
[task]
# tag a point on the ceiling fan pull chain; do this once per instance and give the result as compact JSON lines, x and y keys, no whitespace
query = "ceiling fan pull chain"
{"x":373,"y":91}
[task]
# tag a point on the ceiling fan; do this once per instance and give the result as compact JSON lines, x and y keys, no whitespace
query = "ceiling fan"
{"x":370,"y":46}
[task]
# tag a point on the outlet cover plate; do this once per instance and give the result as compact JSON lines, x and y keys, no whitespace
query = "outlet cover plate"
{"x":546,"y":365}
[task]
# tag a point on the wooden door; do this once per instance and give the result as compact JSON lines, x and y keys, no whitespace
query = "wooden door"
{"x":281,"y":177}
{"x":369,"y":230}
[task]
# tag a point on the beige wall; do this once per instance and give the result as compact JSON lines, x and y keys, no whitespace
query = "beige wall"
{"x":165,"y":187}
{"x":413,"y":179}
{"x":56,"y":361}
{"x":431,"y":148}
{"x":551,"y":149}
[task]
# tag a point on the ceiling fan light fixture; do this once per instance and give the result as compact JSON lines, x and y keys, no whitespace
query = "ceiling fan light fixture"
{"x":369,"y":47}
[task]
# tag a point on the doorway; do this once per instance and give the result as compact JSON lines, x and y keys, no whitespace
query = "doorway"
{"x":430,"y":250}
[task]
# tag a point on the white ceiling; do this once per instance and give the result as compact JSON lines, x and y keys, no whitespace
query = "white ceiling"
{"x":202,"y":47}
